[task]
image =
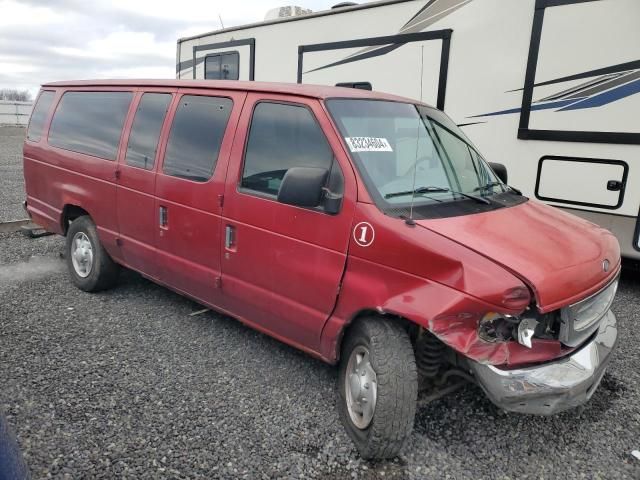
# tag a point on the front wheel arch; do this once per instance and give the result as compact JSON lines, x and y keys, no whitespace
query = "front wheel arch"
{"x":71,"y":212}
{"x":410,"y":326}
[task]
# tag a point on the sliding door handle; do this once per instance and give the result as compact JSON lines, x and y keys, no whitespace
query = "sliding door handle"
{"x":230,"y":237}
{"x":163,"y":217}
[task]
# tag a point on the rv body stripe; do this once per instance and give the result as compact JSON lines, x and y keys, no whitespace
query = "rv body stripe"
{"x":390,"y":41}
{"x":363,"y":56}
{"x":621,"y":67}
{"x":606,"y":97}
{"x":524,"y":133}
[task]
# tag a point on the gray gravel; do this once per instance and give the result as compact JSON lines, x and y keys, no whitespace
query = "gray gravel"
{"x":11,"y":180}
{"x":126,"y":383}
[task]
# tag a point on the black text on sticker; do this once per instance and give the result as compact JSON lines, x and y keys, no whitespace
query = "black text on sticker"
{"x":368,"y":144}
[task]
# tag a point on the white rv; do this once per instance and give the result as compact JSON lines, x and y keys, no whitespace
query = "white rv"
{"x":550,"y":88}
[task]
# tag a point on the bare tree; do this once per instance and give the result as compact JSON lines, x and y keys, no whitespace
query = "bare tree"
{"x":14,"y":95}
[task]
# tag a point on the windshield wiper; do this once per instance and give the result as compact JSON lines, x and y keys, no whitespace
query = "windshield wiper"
{"x":421,"y":190}
{"x":489,"y":185}
{"x":417,"y":191}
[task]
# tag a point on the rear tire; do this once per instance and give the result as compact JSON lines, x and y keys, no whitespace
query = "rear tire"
{"x":386,"y":347}
{"x":90,"y":266}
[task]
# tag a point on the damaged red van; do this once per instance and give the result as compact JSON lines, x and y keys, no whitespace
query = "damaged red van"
{"x":362,"y":228}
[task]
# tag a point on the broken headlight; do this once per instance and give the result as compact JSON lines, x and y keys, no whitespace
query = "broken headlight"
{"x":497,"y":327}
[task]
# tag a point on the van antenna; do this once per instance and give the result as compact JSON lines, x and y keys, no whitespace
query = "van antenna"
{"x":410,"y":221}
{"x":220,"y":17}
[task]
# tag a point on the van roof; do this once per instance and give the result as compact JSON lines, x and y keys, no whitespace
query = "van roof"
{"x":305,"y":90}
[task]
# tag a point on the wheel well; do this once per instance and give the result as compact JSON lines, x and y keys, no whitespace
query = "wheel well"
{"x":69,"y":214}
{"x":412,"y":328}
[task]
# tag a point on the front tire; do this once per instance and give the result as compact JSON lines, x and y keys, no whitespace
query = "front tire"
{"x":378,"y":387}
{"x":90,"y":266}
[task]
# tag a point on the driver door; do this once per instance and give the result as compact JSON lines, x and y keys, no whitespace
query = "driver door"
{"x":282,"y":264}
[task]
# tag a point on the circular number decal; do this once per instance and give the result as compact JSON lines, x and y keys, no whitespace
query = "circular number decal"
{"x":363,"y":234}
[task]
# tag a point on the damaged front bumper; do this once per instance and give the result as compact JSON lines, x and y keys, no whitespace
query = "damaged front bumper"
{"x":555,"y":386}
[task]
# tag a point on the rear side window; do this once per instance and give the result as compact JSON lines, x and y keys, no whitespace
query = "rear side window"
{"x":145,"y":131}
{"x":39,"y":115}
{"x":90,"y":122}
{"x":196,"y":134}
{"x":223,"y":66}
{"x":284,"y":136}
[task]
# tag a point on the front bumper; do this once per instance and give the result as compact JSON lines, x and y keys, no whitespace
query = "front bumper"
{"x":555,"y":386}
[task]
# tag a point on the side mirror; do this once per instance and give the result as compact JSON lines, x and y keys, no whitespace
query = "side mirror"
{"x":500,"y":170}
{"x":303,"y":186}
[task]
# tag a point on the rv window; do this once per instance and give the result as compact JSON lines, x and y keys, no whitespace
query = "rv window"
{"x":195,"y":137}
{"x":145,"y":132}
{"x":284,"y":136}
{"x":39,"y":115}
{"x":223,"y":66}
{"x":90,"y":122}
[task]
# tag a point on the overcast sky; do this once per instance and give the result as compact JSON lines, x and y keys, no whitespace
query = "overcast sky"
{"x":48,"y":40}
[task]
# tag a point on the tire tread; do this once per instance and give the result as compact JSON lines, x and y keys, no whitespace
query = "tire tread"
{"x":393,"y":360}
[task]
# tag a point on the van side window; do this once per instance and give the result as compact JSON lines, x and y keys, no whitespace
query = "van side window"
{"x":39,"y":115}
{"x":284,"y":136}
{"x":90,"y":122}
{"x":145,"y":131}
{"x":222,"y":66}
{"x":195,"y":137}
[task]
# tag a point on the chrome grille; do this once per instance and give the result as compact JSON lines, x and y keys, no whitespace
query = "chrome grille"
{"x":582,"y":318}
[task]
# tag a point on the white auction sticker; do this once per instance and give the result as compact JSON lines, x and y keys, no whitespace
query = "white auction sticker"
{"x":368,"y":144}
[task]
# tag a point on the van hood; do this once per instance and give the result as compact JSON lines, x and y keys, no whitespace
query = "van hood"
{"x":560,"y":256}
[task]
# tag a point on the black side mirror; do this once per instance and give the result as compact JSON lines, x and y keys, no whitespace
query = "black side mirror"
{"x":303,"y":186}
{"x":500,"y":170}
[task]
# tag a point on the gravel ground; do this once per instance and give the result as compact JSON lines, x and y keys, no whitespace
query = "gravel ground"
{"x":126,"y":383}
{"x":11,"y":181}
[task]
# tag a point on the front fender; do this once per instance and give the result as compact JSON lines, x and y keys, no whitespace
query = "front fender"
{"x":448,"y":313}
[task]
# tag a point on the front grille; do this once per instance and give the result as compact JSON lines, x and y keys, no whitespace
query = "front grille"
{"x":580,"y":320}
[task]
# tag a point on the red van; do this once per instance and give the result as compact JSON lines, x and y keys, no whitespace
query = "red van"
{"x":362,"y":228}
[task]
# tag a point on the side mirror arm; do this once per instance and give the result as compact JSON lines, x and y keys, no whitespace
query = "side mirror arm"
{"x":331,"y":201}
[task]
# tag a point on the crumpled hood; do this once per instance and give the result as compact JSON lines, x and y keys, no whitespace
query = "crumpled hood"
{"x":560,"y":256}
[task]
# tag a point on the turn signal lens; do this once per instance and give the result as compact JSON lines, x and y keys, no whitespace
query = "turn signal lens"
{"x":516,"y":298}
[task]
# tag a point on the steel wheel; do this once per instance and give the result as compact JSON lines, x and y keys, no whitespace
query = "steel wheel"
{"x":82,"y":254}
{"x":361,"y":388}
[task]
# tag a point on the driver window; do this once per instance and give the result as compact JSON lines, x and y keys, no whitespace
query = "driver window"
{"x":284,"y":136}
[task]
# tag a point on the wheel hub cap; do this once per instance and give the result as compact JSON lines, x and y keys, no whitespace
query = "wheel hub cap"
{"x":361,"y":387}
{"x":82,"y":254}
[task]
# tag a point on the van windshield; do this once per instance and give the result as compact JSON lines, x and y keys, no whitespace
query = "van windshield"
{"x":415,"y":154}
